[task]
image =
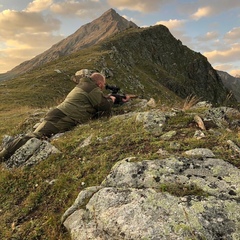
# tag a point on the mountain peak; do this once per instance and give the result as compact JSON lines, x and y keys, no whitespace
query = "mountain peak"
{"x":110,"y":11}
{"x":110,"y":22}
{"x":112,"y":17}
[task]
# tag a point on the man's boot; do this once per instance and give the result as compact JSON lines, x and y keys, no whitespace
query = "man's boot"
{"x":3,"y":154}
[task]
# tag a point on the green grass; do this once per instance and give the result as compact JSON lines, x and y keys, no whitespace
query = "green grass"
{"x":181,"y":190}
{"x":32,"y":200}
{"x":31,"y":206}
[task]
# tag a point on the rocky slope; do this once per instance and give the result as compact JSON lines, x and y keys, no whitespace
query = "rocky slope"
{"x":153,"y":54}
{"x":179,"y":178}
{"x":192,"y":196}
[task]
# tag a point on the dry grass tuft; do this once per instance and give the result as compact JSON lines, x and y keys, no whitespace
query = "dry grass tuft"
{"x":190,"y":102}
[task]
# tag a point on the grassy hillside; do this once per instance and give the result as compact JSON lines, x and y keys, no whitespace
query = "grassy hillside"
{"x":34,"y":199}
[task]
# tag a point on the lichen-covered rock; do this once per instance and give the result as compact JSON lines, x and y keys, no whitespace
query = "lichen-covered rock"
{"x":204,"y":152}
{"x":153,"y":121}
{"x":223,"y":116}
{"x":131,"y":202}
{"x":31,"y":153}
{"x":80,"y":201}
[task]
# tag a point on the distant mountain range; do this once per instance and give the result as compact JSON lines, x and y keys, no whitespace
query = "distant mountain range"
{"x":232,"y":83}
{"x":143,"y":55}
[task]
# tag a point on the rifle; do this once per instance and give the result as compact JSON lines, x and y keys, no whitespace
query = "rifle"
{"x":115,"y":91}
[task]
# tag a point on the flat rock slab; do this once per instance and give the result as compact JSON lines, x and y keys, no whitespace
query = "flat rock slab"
{"x":131,"y":203}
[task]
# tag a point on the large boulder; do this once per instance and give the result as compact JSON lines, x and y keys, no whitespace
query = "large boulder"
{"x":173,"y":198}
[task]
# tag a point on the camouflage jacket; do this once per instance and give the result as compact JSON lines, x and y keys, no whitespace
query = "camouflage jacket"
{"x":85,"y":101}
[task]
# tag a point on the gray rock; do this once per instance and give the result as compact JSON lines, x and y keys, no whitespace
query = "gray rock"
{"x":80,"y":201}
{"x":153,"y":121}
{"x":6,"y":140}
{"x":86,"y":142}
{"x":199,"y":134}
{"x":151,"y":103}
{"x":130,"y":203}
{"x":175,"y":145}
{"x":31,"y":153}
{"x":222,"y":116}
{"x":107,"y":72}
{"x":203,"y":104}
{"x":200,"y":152}
{"x":168,"y":135}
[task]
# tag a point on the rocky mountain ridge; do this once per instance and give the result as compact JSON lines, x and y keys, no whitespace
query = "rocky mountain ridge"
{"x":154,"y":52}
{"x":146,"y":54}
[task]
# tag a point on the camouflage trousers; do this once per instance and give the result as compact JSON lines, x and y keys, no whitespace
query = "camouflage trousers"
{"x":54,"y":122}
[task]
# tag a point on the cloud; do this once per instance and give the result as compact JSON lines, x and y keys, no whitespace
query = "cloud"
{"x":172,"y":23}
{"x":208,"y":37}
{"x":33,"y":40}
{"x":202,"y":12}
{"x":229,"y":55}
{"x":233,"y":35}
{"x":217,"y":41}
{"x":138,"y":5}
{"x":24,"y":35}
{"x":129,"y":19}
{"x":235,"y":72}
{"x":38,"y":5}
{"x":13,"y":22}
{"x":74,"y":8}
{"x":230,"y":68}
{"x":25,"y":47}
{"x":13,"y":57}
{"x":206,"y":8}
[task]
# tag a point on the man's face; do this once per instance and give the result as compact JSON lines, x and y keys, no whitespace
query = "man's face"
{"x":102,"y":84}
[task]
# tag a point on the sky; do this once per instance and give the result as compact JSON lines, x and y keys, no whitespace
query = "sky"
{"x":29,"y":27}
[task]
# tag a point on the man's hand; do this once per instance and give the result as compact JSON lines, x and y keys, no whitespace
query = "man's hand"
{"x":113,"y":98}
{"x":126,"y":99}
